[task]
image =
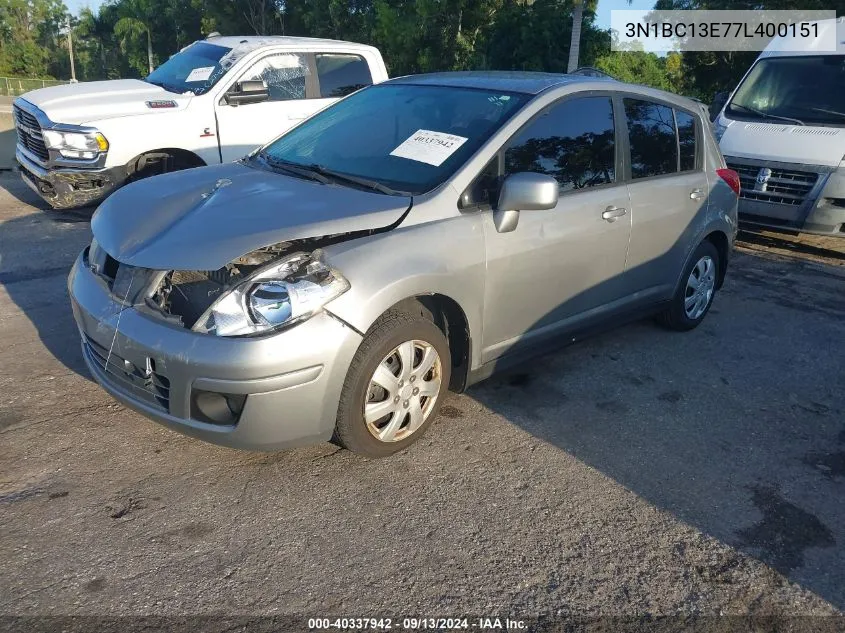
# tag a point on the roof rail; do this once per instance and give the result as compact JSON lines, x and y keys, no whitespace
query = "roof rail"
{"x":212,"y":35}
{"x":589,"y":71}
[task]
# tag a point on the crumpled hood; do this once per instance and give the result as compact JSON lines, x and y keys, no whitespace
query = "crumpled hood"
{"x":202,"y":219}
{"x":810,"y":145}
{"x":97,"y":100}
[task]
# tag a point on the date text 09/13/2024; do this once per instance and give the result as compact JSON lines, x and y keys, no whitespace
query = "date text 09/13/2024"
{"x":459,"y":623}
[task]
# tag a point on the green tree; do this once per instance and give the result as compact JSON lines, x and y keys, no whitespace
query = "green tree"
{"x":134,"y":25}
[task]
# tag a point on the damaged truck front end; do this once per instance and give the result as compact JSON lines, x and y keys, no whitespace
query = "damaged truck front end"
{"x":64,"y":164}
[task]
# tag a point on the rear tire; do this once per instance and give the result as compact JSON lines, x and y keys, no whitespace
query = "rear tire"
{"x":696,"y":291}
{"x":395,"y":385}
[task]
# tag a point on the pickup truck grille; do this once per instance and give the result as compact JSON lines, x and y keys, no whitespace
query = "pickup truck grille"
{"x":29,"y":133}
{"x":780,"y":186}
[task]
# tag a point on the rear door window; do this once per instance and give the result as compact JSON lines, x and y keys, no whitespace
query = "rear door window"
{"x":652,"y":138}
{"x":573,"y":141}
{"x":341,"y":74}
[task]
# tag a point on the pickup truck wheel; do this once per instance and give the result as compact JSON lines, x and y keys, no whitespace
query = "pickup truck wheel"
{"x":695,"y":294}
{"x":394,"y":387}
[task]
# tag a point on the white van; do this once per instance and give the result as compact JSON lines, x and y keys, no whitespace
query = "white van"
{"x":783,"y":130}
{"x":213,"y":102}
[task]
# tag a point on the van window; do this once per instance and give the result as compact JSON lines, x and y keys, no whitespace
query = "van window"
{"x":797,"y":89}
{"x":283,"y":73}
{"x":651,"y":135}
{"x":686,"y":139}
{"x":574,"y":141}
{"x":341,"y":75}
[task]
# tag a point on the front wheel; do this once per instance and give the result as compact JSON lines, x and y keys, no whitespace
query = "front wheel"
{"x":394,"y":386}
{"x":695,"y":295}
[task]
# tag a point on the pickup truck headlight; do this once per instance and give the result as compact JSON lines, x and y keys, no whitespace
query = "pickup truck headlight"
{"x":85,"y":145}
{"x":280,"y":295}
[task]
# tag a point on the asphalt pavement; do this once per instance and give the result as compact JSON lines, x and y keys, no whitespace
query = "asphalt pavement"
{"x":638,"y":472}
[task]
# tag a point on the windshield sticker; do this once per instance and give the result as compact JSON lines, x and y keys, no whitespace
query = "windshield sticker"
{"x":199,"y":74}
{"x":426,"y":146}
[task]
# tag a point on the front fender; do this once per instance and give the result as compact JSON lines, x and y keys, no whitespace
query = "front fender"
{"x":441,"y":257}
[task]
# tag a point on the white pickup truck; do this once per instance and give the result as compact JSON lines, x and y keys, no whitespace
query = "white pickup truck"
{"x":215,"y":101}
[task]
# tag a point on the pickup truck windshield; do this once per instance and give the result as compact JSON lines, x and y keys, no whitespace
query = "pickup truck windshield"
{"x":196,"y":69}
{"x":406,"y":138}
{"x":800,"y":90}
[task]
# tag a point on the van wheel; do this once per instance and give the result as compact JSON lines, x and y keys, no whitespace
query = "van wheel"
{"x":394,"y":387}
{"x":695,"y":294}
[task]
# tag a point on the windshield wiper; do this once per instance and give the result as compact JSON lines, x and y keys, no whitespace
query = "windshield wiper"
{"x":355,"y":180}
{"x":766,"y":115}
{"x":839,"y":114}
{"x":293,"y":168}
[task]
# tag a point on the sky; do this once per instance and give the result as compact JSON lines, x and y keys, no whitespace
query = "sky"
{"x":606,"y":6}
{"x":76,"y":5}
{"x":602,"y":18}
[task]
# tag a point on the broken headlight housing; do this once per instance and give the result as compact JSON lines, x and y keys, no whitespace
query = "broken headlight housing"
{"x":279,"y":295}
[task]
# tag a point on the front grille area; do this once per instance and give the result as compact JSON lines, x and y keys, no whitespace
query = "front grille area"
{"x":141,"y":383}
{"x":782,"y":186}
{"x":29,"y":133}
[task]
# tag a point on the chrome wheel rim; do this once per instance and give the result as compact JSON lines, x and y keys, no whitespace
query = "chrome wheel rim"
{"x":403,"y":391}
{"x":700,"y":286}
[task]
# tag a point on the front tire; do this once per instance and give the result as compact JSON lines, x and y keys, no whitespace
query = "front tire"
{"x":694,"y":296}
{"x":395,"y":385}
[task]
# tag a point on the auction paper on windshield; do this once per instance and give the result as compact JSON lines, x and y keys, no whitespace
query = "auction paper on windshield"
{"x":199,"y":74}
{"x":427,"y":146}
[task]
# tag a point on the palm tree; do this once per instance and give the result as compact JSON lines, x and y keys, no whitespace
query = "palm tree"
{"x":133,"y":26}
{"x":577,"y":19}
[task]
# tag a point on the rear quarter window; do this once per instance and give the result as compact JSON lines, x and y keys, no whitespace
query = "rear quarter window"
{"x":686,"y":139}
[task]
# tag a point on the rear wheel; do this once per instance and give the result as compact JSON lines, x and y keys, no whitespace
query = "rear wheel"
{"x":394,"y":387}
{"x":695,"y":295}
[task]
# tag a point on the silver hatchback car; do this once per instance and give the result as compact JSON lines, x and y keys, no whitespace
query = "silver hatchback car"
{"x":408,"y":240}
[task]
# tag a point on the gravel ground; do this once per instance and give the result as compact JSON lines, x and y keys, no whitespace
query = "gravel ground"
{"x":639,"y":472}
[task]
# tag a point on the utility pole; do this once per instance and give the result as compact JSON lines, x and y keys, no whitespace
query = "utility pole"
{"x":70,"y":52}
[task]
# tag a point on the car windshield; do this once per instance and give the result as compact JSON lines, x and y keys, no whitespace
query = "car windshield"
{"x":405,"y":138}
{"x":801,"y":90}
{"x":196,"y":69}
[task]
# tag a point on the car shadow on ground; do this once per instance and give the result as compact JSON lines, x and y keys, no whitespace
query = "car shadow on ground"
{"x":37,"y":251}
{"x":736,"y":428}
{"x":795,"y":245}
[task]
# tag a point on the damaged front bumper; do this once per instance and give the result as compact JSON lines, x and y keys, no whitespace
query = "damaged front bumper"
{"x":258,"y":393}
{"x":68,"y":188}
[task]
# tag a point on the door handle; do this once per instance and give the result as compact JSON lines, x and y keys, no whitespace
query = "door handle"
{"x":611,"y":213}
{"x":696,"y":194}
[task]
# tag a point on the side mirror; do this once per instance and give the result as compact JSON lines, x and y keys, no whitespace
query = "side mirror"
{"x":719,"y":102}
{"x":525,"y":191}
{"x":249,"y":91}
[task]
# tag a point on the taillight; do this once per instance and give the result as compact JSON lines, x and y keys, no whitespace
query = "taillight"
{"x":730,"y":177}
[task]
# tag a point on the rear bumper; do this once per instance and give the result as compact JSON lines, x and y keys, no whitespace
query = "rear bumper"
{"x":64,"y":188}
{"x":288,"y":385}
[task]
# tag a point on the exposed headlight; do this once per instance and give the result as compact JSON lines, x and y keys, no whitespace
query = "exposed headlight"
{"x":76,"y":144}
{"x":284,"y":293}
